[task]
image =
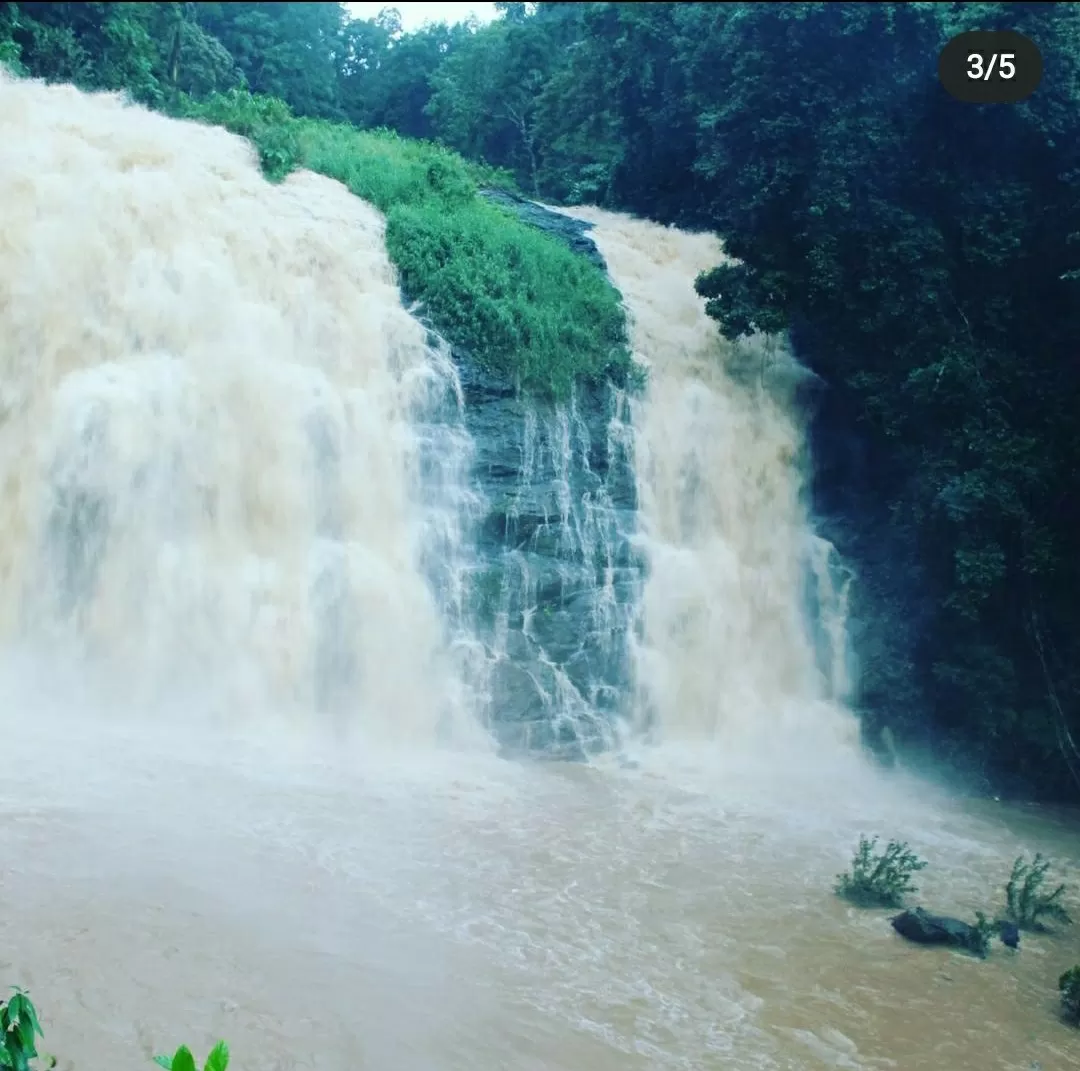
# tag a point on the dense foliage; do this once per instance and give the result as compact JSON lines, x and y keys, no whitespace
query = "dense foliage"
{"x":924,"y":255}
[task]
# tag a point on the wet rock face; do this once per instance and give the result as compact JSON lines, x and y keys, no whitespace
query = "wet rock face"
{"x":541,"y":602}
{"x":573,"y":233}
{"x":554,"y":580}
{"x":923,"y":928}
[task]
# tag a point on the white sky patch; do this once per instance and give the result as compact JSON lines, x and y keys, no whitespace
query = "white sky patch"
{"x":415,"y":14}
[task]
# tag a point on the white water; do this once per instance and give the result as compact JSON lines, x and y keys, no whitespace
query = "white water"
{"x":726,"y":653}
{"x":209,"y":455}
{"x":212,"y":399}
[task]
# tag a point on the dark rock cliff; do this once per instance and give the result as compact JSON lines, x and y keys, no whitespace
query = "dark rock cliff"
{"x":556,"y":579}
{"x":574,"y":233}
{"x":551,"y":582}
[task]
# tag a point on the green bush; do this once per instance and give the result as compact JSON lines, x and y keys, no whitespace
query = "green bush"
{"x":1025,"y":903}
{"x":879,"y":880}
{"x":516,"y":300}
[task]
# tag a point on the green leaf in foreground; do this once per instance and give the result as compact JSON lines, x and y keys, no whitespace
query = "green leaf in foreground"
{"x":183,"y":1060}
{"x":218,"y":1060}
{"x":18,"y":1028}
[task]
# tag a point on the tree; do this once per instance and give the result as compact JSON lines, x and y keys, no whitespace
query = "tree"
{"x":486,"y":96}
{"x":386,"y":78}
{"x":919,"y":249}
{"x":286,"y":50}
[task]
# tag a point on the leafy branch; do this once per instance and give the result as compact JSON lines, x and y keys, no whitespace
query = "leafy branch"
{"x":1025,"y":903}
{"x":879,"y":880}
{"x":19,"y":1029}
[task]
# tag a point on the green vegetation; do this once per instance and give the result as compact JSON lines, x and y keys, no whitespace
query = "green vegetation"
{"x":515,"y":299}
{"x":266,"y":122}
{"x":1025,"y":902}
{"x":879,"y":880}
{"x":884,"y":879}
{"x":218,"y":1060}
{"x":19,"y":1029}
{"x":518,"y":301}
{"x":1069,"y":987}
{"x":983,"y":930}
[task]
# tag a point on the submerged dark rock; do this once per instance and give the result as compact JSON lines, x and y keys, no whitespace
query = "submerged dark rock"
{"x":923,"y":928}
{"x":1010,"y":934}
{"x":571,"y":232}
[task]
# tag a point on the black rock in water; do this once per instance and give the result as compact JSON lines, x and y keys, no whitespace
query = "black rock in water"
{"x":923,"y":928}
{"x":1010,"y":934}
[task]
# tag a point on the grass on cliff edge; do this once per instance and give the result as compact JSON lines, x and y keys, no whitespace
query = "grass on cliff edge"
{"x":525,"y":306}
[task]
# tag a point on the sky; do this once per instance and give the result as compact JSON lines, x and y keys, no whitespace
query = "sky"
{"x":415,"y":14}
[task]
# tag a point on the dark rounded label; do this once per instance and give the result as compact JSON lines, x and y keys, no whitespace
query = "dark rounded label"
{"x":990,"y":67}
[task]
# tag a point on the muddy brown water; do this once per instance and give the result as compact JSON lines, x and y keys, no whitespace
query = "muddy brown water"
{"x":453,"y":913}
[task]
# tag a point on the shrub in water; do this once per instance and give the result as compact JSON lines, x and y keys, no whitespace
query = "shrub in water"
{"x":879,"y":880}
{"x":982,"y":931}
{"x":1025,"y":902}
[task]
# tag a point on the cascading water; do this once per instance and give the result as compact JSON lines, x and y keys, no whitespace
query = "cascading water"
{"x":829,"y":583}
{"x":725,"y":649}
{"x":250,"y":471}
{"x":217,"y":441}
{"x":237,"y":476}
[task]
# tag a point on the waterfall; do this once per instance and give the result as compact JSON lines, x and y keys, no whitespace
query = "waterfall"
{"x":245,"y":489}
{"x":240,"y":479}
{"x":227,"y":484}
{"x":724,"y":650}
